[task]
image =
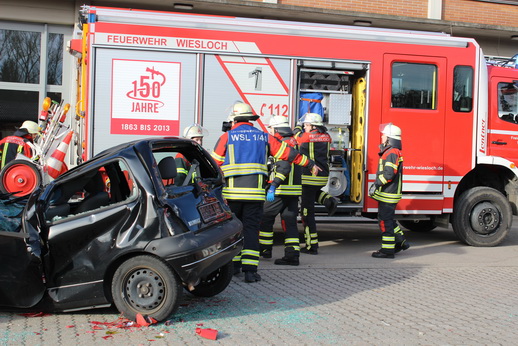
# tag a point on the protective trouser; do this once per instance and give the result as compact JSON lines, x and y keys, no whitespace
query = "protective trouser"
{"x":287,"y":206}
{"x":250,"y":214}
{"x":388,"y":226}
{"x":310,"y":194}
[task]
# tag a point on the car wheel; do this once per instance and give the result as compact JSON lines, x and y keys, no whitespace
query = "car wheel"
{"x":418,"y":225}
{"x":146,"y":285}
{"x":215,"y":282}
{"x":20,"y":177}
{"x":482,"y":217}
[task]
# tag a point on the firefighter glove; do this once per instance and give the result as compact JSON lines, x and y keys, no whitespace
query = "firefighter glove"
{"x":372,"y":189}
{"x":270,"y":195}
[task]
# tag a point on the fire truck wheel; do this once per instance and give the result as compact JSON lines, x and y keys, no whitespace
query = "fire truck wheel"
{"x":146,"y":285}
{"x":215,"y":282}
{"x":482,"y":217}
{"x":20,"y":177}
{"x":418,"y":225}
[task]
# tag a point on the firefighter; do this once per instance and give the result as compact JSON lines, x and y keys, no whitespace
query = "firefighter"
{"x":314,"y":142}
{"x":284,"y":200}
{"x":20,"y":142}
{"x":387,"y":191}
{"x":242,"y":153}
{"x":196,"y":133}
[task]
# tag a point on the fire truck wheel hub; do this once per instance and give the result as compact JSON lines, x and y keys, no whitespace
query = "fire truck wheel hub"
{"x":485,"y":218}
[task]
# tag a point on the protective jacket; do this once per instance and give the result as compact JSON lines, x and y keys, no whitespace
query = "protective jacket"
{"x":12,"y":145}
{"x":242,"y":153}
{"x":292,"y":184}
{"x":315,"y":145}
{"x":389,"y":178}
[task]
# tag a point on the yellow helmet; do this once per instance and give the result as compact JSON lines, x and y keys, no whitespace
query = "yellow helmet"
{"x":31,"y":127}
{"x":195,"y":130}
{"x":312,"y":118}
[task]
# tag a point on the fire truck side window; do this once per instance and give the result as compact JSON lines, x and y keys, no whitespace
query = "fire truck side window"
{"x":507,"y":102}
{"x":462,"y":89}
{"x":414,"y":85}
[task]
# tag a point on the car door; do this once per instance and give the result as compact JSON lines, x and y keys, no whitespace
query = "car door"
{"x":21,"y":283}
{"x":503,"y":118}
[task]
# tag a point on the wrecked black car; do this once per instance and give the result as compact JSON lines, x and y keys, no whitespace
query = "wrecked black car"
{"x":127,"y":227}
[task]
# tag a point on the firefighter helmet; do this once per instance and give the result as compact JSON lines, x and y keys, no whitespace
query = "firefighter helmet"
{"x":279,"y":121}
{"x":241,"y":110}
{"x":312,"y":118}
{"x":391,"y":131}
{"x":195,"y":130}
{"x":31,"y":127}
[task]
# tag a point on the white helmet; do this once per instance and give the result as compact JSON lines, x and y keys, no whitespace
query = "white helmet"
{"x":279,"y":121}
{"x":195,"y":130}
{"x":240,"y":109}
{"x":391,"y":130}
{"x":312,"y":118}
{"x":31,"y":127}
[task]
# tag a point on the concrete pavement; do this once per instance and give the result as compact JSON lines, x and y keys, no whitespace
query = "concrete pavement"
{"x":439,"y":292}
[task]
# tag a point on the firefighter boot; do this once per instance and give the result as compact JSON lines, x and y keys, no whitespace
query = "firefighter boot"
{"x":401,"y":243}
{"x":291,"y":257}
{"x":311,"y":250}
{"x":252,"y":276}
{"x":380,"y":254}
{"x":331,"y":204}
{"x":265,"y":252}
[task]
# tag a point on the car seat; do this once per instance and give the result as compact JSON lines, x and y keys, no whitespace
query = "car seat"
{"x":97,"y":196}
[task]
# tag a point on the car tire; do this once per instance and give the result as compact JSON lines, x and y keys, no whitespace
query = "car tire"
{"x":215,"y":282}
{"x":418,"y":225}
{"x":20,"y":177}
{"x":148,"y":286}
{"x":482,"y":217}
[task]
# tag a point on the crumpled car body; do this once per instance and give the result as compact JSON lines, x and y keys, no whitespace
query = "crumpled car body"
{"x":119,"y":229}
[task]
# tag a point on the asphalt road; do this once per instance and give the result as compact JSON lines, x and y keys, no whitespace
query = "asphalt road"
{"x":439,"y":292}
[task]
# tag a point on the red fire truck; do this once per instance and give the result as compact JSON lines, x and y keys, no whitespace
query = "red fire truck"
{"x":147,"y":73}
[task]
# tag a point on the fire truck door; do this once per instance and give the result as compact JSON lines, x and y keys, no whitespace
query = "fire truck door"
{"x":414,"y":98}
{"x":503,"y":119}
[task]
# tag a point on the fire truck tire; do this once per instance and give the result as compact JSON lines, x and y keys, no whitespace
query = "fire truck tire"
{"x":482,"y":217}
{"x":418,"y":225}
{"x":146,"y":285}
{"x":20,"y":177}
{"x":215,"y":282}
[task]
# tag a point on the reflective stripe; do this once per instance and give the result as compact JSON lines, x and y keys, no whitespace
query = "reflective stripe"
{"x":250,"y":262}
{"x":243,"y":169}
{"x":314,"y":180}
{"x":217,"y":157}
{"x":249,"y":252}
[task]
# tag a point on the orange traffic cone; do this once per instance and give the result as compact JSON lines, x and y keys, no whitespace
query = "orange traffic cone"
{"x":55,"y":162}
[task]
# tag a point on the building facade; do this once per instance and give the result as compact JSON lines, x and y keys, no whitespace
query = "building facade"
{"x":34,"y":62}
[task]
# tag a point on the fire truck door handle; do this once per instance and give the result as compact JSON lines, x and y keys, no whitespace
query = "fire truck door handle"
{"x":499,"y":143}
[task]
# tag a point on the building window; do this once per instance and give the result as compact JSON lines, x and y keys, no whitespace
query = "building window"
{"x":20,"y":56}
{"x":31,"y":68}
{"x":463,"y":89}
{"x":55,"y":59}
{"x":414,"y":85}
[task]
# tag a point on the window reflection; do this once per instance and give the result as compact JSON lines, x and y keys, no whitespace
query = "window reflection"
{"x":507,"y":102}
{"x":463,"y":89}
{"x":20,"y":56}
{"x":414,"y":85}
{"x":55,"y":59}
